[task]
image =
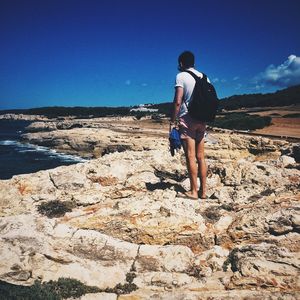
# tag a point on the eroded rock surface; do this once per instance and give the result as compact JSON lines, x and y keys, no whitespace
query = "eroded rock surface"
{"x":96,"y":138}
{"x":129,"y":224}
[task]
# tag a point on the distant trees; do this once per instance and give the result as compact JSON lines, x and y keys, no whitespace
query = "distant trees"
{"x":77,"y":111}
{"x":283,"y":97}
{"x":241,"y":121}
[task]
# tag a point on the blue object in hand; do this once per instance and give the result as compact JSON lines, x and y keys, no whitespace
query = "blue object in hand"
{"x":175,"y":142}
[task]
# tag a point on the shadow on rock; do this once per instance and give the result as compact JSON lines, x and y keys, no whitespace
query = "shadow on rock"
{"x":164,"y":186}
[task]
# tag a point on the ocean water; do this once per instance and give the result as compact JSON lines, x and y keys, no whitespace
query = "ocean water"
{"x":22,"y":158}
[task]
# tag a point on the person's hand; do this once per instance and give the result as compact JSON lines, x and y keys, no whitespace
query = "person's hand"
{"x":172,"y":124}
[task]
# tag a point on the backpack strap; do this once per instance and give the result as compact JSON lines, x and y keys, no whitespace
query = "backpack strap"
{"x":195,"y":76}
{"x":196,"y":79}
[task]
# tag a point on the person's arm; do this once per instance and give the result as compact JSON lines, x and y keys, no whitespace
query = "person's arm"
{"x":176,"y":104}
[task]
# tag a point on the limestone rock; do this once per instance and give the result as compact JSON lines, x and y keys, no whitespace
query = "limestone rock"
{"x":99,"y":296}
{"x":41,"y":126}
{"x":265,"y":265}
{"x":129,"y":224}
{"x":286,"y":160}
{"x":93,"y":139}
{"x":165,"y":259}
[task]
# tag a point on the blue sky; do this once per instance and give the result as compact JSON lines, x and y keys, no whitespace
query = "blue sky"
{"x":120,"y":53}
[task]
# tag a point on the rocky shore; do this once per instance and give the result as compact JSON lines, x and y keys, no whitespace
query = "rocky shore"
{"x":97,"y":137}
{"x":118,"y":222}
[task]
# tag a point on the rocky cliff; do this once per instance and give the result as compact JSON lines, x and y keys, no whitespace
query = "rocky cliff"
{"x":118,"y":222}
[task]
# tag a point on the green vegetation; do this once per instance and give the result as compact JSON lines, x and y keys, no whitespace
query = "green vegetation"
{"x":77,"y":111}
{"x":125,"y":288}
{"x":164,"y":108}
{"x":52,"y":290}
{"x":140,"y":114}
{"x":241,"y":121}
{"x":62,"y":289}
{"x":55,"y":208}
{"x":120,"y":289}
{"x":90,"y":112}
{"x":283,"y":97}
{"x":295,"y":115}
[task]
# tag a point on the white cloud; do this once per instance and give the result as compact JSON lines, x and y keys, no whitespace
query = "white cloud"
{"x":128,"y":82}
{"x":258,"y":87}
{"x":216,"y":80}
{"x":238,"y":87}
{"x":284,"y":75}
{"x":236,"y":78}
{"x":144,"y":84}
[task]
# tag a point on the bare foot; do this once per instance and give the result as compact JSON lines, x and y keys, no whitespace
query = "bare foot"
{"x":188,"y":195}
{"x":202,"y":195}
{"x":191,"y":195}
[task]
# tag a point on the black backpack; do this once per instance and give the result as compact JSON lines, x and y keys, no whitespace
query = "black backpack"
{"x":204,"y":102}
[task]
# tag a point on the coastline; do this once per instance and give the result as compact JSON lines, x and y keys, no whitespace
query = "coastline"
{"x":96,"y":137}
{"x":17,"y":157}
{"x":85,"y":140}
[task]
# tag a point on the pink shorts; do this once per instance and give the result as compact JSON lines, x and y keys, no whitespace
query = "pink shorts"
{"x":190,"y":128}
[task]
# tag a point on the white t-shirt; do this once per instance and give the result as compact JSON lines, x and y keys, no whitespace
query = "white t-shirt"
{"x":187,"y":82}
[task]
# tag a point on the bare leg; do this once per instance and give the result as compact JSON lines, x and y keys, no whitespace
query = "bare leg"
{"x":190,"y":155}
{"x":202,"y":169}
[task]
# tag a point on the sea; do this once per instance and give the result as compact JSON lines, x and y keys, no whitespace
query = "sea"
{"x":17,"y":157}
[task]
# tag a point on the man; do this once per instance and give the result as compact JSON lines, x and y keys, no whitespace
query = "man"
{"x":191,"y":131}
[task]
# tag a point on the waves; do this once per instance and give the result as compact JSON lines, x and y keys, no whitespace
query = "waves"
{"x":46,"y":152}
{"x":17,"y":157}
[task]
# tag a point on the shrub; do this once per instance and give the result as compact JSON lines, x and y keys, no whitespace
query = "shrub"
{"x":51,"y":290}
{"x":294,"y":115}
{"x":242,"y":121}
{"x":55,"y":208}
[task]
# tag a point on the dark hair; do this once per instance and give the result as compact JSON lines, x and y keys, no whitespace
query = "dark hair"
{"x":187,"y":59}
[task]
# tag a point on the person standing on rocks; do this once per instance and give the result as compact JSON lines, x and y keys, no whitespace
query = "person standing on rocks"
{"x":191,"y":131}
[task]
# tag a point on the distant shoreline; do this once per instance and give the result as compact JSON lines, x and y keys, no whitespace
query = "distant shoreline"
{"x":285,"y":97}
{"x":281,"y":126}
